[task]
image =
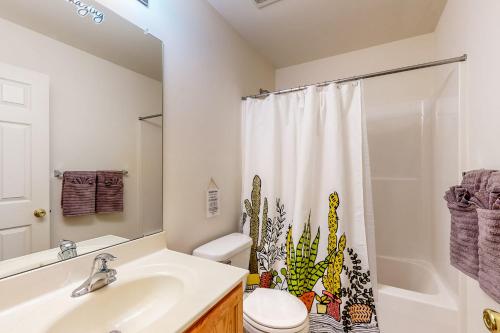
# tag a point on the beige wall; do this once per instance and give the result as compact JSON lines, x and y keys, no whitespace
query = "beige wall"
{"x":208,"y":67}
{"x":82,"y":119}
{"x":473,"y":27}
{"x":400,"y":53}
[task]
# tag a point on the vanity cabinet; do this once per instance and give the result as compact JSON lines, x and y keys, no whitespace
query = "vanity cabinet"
{"x":225,"y":317}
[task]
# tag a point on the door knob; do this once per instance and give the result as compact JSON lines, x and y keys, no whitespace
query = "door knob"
{"x":40,"y":212}
{"x":492,"y":320}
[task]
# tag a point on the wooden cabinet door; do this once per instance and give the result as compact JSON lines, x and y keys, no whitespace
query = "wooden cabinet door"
{"x":225,"y":317}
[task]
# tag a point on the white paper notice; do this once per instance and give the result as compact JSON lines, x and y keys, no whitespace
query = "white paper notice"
{"x":213,"y":200}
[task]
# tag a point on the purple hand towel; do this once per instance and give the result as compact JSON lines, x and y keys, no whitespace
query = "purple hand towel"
{"x":464,"y":231}
{"x":109,"y":197}
{"x":78,"y":193}
{"x":489,"y":252}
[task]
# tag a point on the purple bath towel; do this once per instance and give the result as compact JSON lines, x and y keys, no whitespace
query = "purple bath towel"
{"x":464,"y":231}
{"x":458,"y":195}
{"x":109,"y":197}
{"x":78,"y":193}
{"x":489,"y":252}
{"x":487,"y":195}
{"x":493,"y":190}
{"x":476,"y":180}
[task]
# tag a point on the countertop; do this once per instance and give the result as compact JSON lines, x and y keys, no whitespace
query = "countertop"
{"x":204,"y":284}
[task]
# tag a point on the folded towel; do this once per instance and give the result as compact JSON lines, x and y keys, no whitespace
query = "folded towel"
{"x":464,"y":227}
{"x":78,"y":193}
{"x":476,"y":180}
{"x":475,"y":240}
{"x":459,"y":196}
{"x":109,"y":197}
{"x":493,"y":190}
{"x":463,"y":238}
{"x":489,"y":252}
{"x":493,"y":181}
{"x":494,"y":202}
{"x":481,"y":199}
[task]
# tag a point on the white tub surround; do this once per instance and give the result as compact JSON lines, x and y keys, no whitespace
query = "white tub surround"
{"x":411,"y":291}
{"x":156,"y":290}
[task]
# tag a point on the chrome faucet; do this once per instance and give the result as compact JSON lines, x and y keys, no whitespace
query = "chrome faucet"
{"x":100,"y":275}
{"x":68,"y":249}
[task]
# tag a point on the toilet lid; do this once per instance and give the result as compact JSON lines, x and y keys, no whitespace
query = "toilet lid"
{"x":275,"y":309}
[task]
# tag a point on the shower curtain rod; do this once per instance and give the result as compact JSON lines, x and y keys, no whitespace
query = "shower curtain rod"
{"x":366,"y":76}
{"x":151,"y":116}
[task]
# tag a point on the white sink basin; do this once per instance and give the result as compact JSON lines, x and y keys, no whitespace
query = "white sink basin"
{"x":127,"y":307}
{"x":164,"y":291}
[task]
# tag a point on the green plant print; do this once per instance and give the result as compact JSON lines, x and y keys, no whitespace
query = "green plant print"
{"x":279,"y":282}
{"x":332,"y":278}
{"x":360,"y":304}
{"x":302,"y":270}
{"x":322,"y":299}
{"x":272,"y":251}
{"x":253,"y":211}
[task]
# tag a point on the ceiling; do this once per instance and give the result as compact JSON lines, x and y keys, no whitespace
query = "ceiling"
{"x":290,"y":32}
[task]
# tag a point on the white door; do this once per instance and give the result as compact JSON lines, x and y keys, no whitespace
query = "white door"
{"x":24,"y":162}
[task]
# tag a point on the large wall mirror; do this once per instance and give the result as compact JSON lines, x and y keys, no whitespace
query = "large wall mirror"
{"x":80,"y":131}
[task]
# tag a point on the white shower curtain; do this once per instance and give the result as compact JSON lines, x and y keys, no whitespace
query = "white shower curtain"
{"x":304,"y":203}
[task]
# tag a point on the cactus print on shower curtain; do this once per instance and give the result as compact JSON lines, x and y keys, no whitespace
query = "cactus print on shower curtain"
{"x":310,"y":265}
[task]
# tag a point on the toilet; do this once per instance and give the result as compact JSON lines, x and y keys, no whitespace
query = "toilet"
{"x":264,"y":310}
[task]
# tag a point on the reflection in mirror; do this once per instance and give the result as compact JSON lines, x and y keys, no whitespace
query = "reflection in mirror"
{"x":80,"y":132}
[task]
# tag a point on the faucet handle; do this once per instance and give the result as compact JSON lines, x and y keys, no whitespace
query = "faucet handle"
{"x":102,"y":260}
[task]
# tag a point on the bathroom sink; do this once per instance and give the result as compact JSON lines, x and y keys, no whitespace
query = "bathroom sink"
{"x":163,"y":291}
{"x":123,"y":307}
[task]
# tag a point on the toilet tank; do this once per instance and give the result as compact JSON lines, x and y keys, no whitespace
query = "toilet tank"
{"x":233,"y":249}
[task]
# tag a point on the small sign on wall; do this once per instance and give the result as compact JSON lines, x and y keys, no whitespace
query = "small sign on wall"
{"x":213,"y":199}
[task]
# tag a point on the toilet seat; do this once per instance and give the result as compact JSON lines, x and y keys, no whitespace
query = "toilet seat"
{"x":269,"y":310}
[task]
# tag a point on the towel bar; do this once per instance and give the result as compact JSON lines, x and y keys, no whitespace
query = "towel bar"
{"x":59,"y":173}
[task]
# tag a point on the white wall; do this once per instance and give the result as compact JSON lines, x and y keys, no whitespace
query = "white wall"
{"x":473,"y":27}
{"x":208,"y":67}
{"x":82,"y":119}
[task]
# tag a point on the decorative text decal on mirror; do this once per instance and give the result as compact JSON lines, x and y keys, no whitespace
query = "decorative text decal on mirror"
{"x":84,"y":10}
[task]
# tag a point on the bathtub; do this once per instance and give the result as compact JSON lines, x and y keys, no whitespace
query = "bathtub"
{"x":413,"y":299}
